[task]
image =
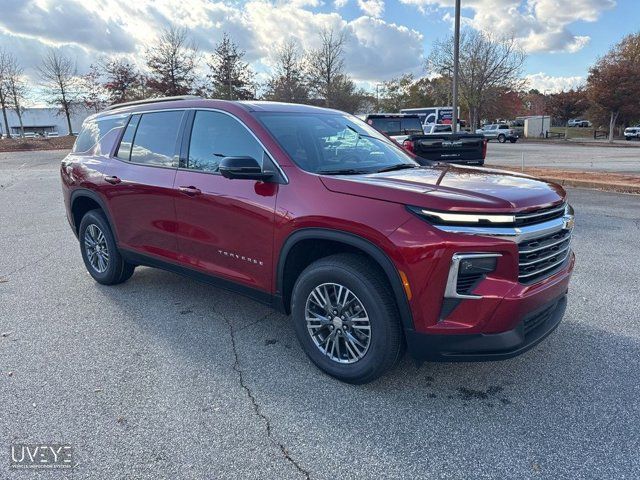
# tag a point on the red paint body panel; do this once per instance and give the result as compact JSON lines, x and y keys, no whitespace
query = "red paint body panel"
{"x":227,"y":230}
{"x":236,"y":229}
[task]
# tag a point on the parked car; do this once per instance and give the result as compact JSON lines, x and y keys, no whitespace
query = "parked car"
{"x":319,"y":215}
{"x":578,"y":123}
{"x":632,"y":132}
{"x":397,"y":126}
{"x":435,"y":129}
{"x":499,"y":131}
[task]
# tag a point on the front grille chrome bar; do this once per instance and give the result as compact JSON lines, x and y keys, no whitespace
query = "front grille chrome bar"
{"x":516,"y":234}
{"x":545,"y":269}
{"x":547,"y":257}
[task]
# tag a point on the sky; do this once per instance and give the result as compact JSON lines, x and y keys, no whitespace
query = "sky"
{"x":385,"y":38}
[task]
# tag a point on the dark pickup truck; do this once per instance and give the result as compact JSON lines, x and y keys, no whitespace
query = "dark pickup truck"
{"x":448,"y":147}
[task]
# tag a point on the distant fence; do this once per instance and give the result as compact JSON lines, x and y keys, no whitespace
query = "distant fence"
{"x":600,"y":134}
{"x":554,"y":134}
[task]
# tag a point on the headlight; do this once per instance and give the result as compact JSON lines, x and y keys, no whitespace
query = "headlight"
{"x":471,"y":219}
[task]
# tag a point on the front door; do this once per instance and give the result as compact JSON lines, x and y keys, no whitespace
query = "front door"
{"x":225,"y":227}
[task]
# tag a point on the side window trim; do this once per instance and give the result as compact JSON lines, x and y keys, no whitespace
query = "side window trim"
{"x":124,"y":132}
{"x":187,"y":128}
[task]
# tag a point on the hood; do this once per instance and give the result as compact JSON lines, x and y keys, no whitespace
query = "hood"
{"x":447,"y":187}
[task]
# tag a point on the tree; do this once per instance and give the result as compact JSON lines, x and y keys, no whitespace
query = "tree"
{"x":60,"y":83}
{"x":172,"y":63}
{"x":487,"y":64}
{"x":612,"y":85}
{"x":395,"y":93}
{"x":123,"y":81}
{"x":4,"y":96}
{"x":326,"y":69}
{"x":230,"y":77}
{"x":407,"y":92}
{"x":564,"y":106}
{"x":94,"y":94}
{"x":16,"y":88}
{"x":287,"y":83}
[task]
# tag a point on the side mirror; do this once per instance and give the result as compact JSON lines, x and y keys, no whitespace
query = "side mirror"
{"x":246,"y":168}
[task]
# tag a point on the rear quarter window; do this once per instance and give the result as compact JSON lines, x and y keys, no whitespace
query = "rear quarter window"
{"x":93,"y":130}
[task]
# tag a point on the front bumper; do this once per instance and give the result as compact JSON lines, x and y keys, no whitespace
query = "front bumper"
{"x":531,"y":330}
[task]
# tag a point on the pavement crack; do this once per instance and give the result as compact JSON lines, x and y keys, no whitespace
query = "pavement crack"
{"x":30,"y":264}
{"x":261,"y":319}
{"x":254,"y":402}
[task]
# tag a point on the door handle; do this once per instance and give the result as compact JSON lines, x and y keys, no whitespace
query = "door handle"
{"x":112,"y":179}
{"x":191,"y":191}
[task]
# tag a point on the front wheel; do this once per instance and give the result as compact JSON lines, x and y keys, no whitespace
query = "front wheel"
{"x":346,"y":319}
{"x":99,"y":251}
{"x":502,"y":138}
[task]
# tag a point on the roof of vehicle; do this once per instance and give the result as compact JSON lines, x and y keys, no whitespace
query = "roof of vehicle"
{"x":189,"y":101}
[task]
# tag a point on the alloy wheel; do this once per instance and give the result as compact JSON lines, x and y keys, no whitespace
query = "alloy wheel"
{"x":338,"y":323}
{"x":96,"y":248}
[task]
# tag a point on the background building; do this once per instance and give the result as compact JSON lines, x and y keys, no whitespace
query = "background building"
{"x":43,"y":121}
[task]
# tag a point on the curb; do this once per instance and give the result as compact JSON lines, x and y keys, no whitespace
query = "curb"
{"x":594,"y":185}
{"x":611,"y":183}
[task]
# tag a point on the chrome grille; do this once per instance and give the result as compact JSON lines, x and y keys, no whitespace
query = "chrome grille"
{"x":540,"y":215}
{"x":543,"y":256}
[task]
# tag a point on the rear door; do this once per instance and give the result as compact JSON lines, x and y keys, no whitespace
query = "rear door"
{"x":225,"y":227}
{"x":138,"y":183}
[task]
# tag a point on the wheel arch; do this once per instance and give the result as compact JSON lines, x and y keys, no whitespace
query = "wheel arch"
{"x":82,"y":201}
{"x":351,"y":243}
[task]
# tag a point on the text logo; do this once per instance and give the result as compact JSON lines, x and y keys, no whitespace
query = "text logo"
{"x":53,"y":455}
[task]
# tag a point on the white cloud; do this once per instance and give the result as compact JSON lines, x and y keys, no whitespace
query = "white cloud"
{"x":87,"y":31}
{"x":373,"y":8}
{"x":540,"y":25}
{"x":541,"y":81}
{"x":340,"y":3}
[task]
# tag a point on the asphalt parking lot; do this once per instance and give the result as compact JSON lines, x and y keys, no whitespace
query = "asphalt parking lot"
{"x":162,"y":377}
{"x":622,"y":159}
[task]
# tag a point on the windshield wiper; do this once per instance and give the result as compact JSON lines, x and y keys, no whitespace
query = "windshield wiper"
{"x":399,"y":166}
{"x":343,"y":171}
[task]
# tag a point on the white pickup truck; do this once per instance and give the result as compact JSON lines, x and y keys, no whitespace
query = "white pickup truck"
{"x":499,"y":131}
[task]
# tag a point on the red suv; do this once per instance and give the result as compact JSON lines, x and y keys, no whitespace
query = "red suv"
{"x":316,"y":213}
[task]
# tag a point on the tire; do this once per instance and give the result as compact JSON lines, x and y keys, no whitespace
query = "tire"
{"x":513,"y":140}
{"x":95,"y":228}
{"x":502,"y":138}
{"x":351,"y":363}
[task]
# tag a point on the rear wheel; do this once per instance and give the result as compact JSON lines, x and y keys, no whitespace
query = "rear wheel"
{"x":502,"y":138}
{"x":345,"y":318}
{"x":99,"y":252}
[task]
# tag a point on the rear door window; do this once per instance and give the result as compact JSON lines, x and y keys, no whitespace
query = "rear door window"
{"x":155,"y":140}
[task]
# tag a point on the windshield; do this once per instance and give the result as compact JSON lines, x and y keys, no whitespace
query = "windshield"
{"x":397,"y":125}
{"x":334,"y":143}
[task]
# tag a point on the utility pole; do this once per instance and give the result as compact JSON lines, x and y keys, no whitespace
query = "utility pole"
{"x":456,"y":63}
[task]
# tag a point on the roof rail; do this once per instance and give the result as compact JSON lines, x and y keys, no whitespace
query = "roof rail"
{"x":153,"y":100}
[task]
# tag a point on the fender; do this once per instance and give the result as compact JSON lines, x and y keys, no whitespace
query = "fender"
{"x":356,"y":241}
{"x":83,"y":192}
